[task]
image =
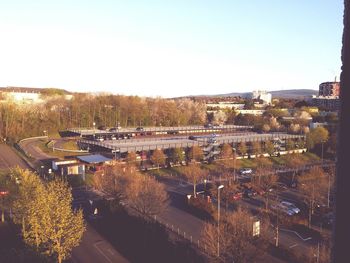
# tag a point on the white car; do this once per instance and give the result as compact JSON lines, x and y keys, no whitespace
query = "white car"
{"x":246,"y":171}
{"x":290,"y":206}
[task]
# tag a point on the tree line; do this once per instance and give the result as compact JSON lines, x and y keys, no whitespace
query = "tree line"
{"x":85,"y":109}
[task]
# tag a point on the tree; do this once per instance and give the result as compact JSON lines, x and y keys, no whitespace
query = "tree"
{"x":140,"y":192}
{"x":269,"y":147}
{"x":131,"y":158}
{"x":236,"y":240}
{"x":289,"y":145}
{"x":316,"y":136}
{"x":256,"y":148}
{"x":242,"y":148}
{"x":146,"y":195}
{"x":63,"y":229}
{"x":194,"y":174}
{"x":177,"y":155}
{"x":294,"y":161}
{"x":226,"y":151}
{"x":158,"y":157}
{"x":314,"y":186}
{"x":28,"y":205}
{"x":195,"y":153}
{"x":266,"y":128}
{"x":267,"y":182}
{"x":46,"y":215}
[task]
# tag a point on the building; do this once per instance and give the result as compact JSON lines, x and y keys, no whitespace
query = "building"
{"x":69,"y":167}
{"x":224,"y":105}
{"x":326,"y":103}
{"x":329,"y":89}
{"x":262,"y":95}
{"x":328,"y":96}
{"x":20,"y":95}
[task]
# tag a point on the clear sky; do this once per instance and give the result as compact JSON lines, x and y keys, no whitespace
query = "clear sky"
{"x":170,"y":48}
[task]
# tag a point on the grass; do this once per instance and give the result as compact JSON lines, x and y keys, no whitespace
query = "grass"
{"x":59,"y":154}
{"x":70,"y":145}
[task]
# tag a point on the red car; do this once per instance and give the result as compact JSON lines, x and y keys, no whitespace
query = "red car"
{"x":237,"y":196}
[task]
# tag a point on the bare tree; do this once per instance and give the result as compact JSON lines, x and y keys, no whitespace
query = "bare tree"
{"x":146,"y":195}
{"x":314,"y":187}
{"x":235,"y":238}
{"x":194,"y":174}
{"x":195,"y":153}
{"x":158,"y":157}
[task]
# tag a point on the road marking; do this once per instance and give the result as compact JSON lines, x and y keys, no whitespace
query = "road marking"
{"x":293,"y":245}
{"x":103,"y":254}
{"x":297,"y":234}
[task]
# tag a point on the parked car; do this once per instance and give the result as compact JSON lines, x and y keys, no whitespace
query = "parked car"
{"x":282,"y":209}
{"x":237,"y":195}
{"x":139,"y":129}
{"x":249,"y":193}
{"x":246,"y":171}
{"x":290,"y":206}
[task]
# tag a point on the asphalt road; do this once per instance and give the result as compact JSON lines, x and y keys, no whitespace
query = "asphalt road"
{"x":9,"y":159}
{"x":32,"y":149}
{"x":193,"y":226}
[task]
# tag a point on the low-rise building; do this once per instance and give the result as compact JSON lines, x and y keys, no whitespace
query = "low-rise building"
{"x":262,"y":95}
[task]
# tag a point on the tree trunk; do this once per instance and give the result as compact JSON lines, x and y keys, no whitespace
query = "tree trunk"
{"x":2,"y":216}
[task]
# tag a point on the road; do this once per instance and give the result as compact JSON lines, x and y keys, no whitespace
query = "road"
{"x":178,"y":191}
{"x":9,"y":159}
{"x":32,"y":149}
{"x":93,"y":247}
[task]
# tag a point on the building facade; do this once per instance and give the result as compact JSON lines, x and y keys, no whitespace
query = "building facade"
{"x":329,"y":89}
{"x":262,"y":95}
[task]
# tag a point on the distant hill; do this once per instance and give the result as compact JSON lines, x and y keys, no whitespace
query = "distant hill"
{"x":285,"y":94}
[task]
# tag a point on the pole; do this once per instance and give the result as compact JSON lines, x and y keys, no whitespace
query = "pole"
{"x":322,"y":153}
{"x":329,"y":189}
{"x":218,"y":222}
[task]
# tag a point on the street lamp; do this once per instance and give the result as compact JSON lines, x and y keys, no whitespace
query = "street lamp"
{"x":219,"y":187}
{"x":205,"y":185}
{"x":94,"y":128}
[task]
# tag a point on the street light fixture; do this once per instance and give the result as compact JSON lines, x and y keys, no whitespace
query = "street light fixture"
{"x":219,"y":187}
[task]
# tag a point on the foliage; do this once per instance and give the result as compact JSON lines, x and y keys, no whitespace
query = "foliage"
{"x":158,"y":157}
{"x":48,"y":222}
{"x":83,"y":109}
{"x":236,"y":240}
{"x":317,"y":136}
{"x":195,"y":153}
{"x":177,"y":155}
{"x":242,"y":148}
{"x":194,"y":174}
{"x":226,"y":151}
{"x":139,"y":191}
{"x":314,"y":188}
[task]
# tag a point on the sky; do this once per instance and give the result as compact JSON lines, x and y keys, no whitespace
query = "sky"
{"x":170,"y":48}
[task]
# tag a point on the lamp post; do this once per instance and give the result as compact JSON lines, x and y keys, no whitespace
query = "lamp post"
{"x":94,"y":128}
{"x":219,"y":187}
{"x":205,"y":185}
{"x":322,"y":152}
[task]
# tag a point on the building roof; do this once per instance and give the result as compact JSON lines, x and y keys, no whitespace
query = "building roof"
{"x":95,"y":158}
{"x":21,"y":89}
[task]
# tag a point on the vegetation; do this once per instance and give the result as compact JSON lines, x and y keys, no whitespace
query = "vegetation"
{"x":235,"y":237}
{"x":84,"y":109}
{"x":45,"y":214}
{"x":141,"y":192}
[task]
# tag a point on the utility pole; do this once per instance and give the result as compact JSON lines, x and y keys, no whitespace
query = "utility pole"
{"x":220,"y":187}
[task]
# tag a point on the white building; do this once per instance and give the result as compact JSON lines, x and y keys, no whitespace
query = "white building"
{"x":262,"y":95}
{"x":20,"y":95}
